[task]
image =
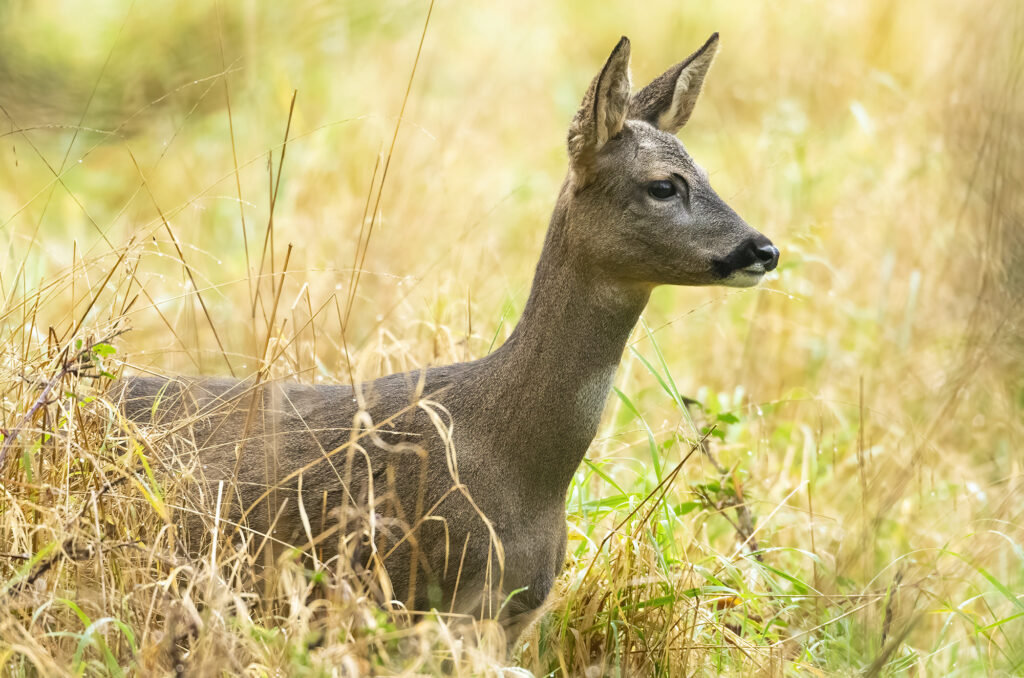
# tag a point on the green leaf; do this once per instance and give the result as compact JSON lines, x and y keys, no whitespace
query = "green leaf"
{"x":799,"y":586}
{"x":1002,"y":621}
{"x":998,"y":585}
{"x":661,"y":601}
{"x":652,"y":444}
{"x":686,"y":507}
{"x":604,"y":476}
{"x":727,"y":418}
{"x":104,"y":350}
{"x":612,"y":502}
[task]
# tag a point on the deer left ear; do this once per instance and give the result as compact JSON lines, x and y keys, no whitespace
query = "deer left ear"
{"x":603,"y":112}
{"x":668,"y":101}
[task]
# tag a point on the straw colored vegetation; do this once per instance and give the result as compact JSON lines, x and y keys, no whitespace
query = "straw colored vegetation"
{"x":847,"y":497}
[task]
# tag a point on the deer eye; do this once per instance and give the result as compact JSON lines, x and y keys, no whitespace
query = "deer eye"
{"x":661,"y":190}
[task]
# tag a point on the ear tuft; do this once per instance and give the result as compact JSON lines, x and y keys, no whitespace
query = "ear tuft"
{"x":668,"y":102}
{"x":603,"y":112}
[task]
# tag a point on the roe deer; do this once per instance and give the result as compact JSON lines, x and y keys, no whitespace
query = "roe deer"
{"x":456,"y":476}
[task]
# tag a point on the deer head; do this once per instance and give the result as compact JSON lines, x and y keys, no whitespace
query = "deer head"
{"x":637,"y":206}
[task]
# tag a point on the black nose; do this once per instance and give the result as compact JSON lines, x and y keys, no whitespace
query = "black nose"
{"x":767,"y":255}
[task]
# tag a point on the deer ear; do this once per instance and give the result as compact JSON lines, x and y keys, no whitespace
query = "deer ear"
{"x":603,"y":112}
{"x":668,"y":101}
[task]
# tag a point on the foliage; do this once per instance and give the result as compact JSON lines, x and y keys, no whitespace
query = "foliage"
{"x":818,"y":476}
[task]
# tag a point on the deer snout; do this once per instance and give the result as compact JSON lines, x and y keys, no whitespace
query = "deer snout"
{"x":747,"y":263}
{"x":767,"y":255}
{"x":755,"y":255}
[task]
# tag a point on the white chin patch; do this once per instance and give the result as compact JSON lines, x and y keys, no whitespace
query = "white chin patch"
{"x":745,"y":277}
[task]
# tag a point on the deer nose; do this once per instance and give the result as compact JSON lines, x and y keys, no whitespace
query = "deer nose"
{"x":768,"y":255}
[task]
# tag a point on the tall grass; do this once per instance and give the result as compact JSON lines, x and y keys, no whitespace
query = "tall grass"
{"x":198,"y":191}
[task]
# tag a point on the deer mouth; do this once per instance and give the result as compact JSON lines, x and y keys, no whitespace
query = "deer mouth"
{"x":748,"y":276}
{"x":754,"y":269}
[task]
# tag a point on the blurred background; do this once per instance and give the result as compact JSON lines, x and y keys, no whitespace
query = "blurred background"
{"x":870,"y":396}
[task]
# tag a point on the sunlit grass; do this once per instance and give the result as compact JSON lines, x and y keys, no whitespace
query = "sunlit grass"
{"x":845,"y":497}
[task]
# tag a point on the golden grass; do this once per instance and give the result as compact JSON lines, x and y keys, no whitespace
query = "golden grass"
{"x":868,"y":401}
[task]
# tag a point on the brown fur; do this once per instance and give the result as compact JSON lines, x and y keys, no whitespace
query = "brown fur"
{"x":462,"y":485}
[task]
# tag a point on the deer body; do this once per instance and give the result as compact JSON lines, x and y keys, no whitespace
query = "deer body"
{"x":459,"y":473}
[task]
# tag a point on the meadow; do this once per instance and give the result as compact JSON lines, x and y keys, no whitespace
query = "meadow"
{"x":325,"y":191}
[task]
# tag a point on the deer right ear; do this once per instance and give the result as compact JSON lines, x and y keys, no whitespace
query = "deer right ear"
{"x":603,"y":112}
{"x":668,"y":101}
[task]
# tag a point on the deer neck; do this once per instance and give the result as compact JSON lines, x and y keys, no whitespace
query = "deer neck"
{"x":559,"y":363}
